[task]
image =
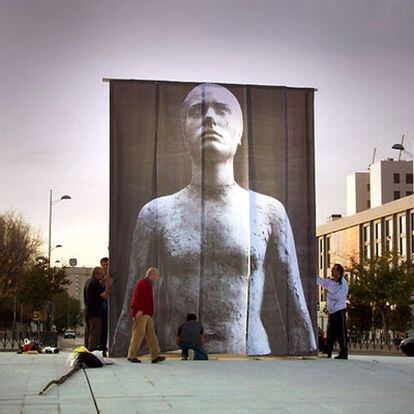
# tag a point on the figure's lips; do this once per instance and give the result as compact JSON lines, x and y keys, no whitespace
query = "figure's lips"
{"x":210,"y":135}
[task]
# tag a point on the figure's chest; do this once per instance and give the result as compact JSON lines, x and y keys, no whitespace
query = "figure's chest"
{"x":218,"y":233}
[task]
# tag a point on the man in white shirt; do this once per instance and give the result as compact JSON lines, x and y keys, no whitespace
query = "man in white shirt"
{"x":337,"y":291}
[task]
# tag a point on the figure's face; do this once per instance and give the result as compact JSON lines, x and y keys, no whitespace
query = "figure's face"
{"x":99,"y":275}
{"x":336,"y":274}
{"x":105,"y":265}
{"x":212,"y":123}
{"x":154,"y":277}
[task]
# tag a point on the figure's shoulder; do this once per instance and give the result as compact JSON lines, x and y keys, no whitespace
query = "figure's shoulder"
{"x":158,"y":205}
{"x":142,"y":282}
{"x":268,"y":205}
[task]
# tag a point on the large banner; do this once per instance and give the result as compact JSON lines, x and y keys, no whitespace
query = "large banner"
{"x":214,"y":185}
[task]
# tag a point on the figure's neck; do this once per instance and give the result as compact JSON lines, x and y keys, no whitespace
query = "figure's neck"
{"x":213,"y":174}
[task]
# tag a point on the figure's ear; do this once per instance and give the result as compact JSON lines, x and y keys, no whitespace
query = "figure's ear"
{"x":240,"y":135}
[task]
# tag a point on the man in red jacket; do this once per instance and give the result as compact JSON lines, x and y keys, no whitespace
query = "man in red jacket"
{"x":142,"y":309}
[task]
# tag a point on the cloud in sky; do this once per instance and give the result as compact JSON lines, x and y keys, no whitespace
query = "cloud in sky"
{"x":54,"y":121}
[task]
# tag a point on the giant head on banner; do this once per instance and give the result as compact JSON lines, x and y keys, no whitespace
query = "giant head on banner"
{"x":216,"y":242}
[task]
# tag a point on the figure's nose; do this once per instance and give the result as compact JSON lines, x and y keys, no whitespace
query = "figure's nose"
{"x":209,"y":117}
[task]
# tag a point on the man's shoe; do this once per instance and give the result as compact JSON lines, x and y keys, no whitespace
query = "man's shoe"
{"x":341,"y":357}
{"x":158,"y":359}
{"x":134,"y":360}
{"x":184,"y":358}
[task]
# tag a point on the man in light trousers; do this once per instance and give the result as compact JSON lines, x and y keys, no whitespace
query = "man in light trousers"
{"x":142,"y":310}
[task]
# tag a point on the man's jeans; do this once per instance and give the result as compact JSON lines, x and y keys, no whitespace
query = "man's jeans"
{"x":93,"y":328}
{"x":103,"y":340}
{"x":199,"y":353}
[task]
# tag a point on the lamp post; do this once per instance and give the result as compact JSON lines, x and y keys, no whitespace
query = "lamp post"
{"x":399,"y":146}
{"x":51,"y":201}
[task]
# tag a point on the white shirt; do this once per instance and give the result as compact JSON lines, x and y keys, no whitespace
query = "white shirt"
{"x":337,"y":293}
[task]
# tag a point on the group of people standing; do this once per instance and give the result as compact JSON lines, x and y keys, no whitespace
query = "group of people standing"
{"x":190,"y":334}
{"x":96,"y":293}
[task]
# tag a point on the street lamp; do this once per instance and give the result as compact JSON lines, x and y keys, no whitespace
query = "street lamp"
{"x":400,"y":147}
{"x":51,"y":202}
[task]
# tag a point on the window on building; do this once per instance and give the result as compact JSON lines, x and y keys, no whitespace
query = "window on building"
{"x":402,"y":247}
{"x":388,"y":234}
{"x":321,"y":252}
{"x":396,"y":178}
{"x":322,"y":295}
{"x":412,"y":235}
{"x":408,"y":193}
{"x":377,"y":227}
{"x":366,"y":241}
{"x":368,"y":203}
{"x":397,"y":195}
{"x":328,"y":252}
{"x":369,"y":187}
{"x":409,"y":178}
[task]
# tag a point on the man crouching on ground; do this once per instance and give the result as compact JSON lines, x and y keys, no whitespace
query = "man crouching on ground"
{"x":142,"y":310}
{"x":190,"y":337}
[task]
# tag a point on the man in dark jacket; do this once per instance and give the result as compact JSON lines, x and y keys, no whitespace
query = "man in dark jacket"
{"x":190,"y":337}
{"x":93,"y":294}
{"x":105,"y":308}
{"x":142,"y":310}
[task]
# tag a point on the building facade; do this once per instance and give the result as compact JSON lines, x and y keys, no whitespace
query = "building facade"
{"x":366,"y":234}
{"x":386,"y":181}
{"x":358,"y":194}
{"x":390,"y":180}
{"x":78,"y":277}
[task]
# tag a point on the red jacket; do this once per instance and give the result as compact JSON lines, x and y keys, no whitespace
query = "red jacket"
{"x":142,"y":299}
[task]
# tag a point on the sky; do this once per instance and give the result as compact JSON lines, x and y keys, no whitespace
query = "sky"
{"x":54,"y":107}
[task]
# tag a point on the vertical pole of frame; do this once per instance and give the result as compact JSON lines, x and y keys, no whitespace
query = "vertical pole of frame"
{"x":251,"y":209}
{"x":286,"y":110}
{"x":203,"y":211}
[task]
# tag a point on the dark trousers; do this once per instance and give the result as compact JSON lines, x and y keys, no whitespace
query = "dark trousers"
{"x":337,"y":332}
{"x":93,"y":327}
{"x":199,"y":352}
{"x":103,"y":340}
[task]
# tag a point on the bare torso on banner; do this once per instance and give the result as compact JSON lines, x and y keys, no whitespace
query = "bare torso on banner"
{"x":217,"y":269}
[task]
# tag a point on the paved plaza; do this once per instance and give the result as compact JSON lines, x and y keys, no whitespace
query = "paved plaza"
{"x":364,"y":384}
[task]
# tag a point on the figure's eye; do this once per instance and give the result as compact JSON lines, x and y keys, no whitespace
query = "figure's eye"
{"x":195,"y":111}
{"x":222,"y":110}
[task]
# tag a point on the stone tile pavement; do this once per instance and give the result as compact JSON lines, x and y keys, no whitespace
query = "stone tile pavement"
{"x":364,"y":384}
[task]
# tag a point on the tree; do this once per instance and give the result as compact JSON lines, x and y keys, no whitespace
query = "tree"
{"x":385,"y":284}
{"x":18,"y":246}
{"x":67,"y":311}
{"x":40,"y":283}
{"x":359,"y":316}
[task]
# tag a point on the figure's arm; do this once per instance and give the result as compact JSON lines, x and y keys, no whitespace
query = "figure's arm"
{"x":327,"y":284}
{"x":178,"y":337}
{"x":140,"y":299}
{"x":142,"y":249}
{"x":108,"y":287}
{"x":301,"y":333}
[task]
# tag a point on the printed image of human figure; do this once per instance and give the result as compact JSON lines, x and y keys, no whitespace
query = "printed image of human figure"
{"x":214,"y":241}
